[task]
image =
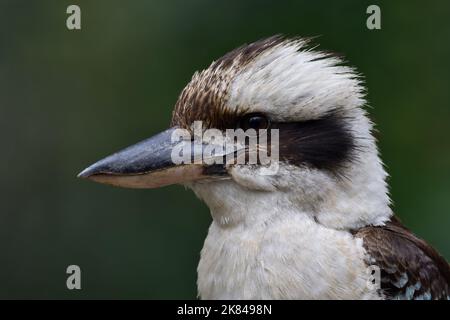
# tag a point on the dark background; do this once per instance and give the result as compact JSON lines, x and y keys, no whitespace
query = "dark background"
{"x":68,"y":98}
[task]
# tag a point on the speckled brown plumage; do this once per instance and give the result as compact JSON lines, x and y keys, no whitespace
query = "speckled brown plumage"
{"x":204,"y":98}
{"x":410,"y":268}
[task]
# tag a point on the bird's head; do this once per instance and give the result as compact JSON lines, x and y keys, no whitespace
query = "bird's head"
{"x":326,"y":163}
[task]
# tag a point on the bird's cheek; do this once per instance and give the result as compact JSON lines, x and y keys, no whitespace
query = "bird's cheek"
{"x":251,"y":178}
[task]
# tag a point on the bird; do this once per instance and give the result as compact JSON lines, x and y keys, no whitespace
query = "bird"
{"x":322,"y":225}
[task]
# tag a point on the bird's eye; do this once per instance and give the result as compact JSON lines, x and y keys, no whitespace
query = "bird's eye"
{"x":254,"y":121}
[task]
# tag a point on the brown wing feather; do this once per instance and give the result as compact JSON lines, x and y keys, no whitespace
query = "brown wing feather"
{"x":410,"y":268}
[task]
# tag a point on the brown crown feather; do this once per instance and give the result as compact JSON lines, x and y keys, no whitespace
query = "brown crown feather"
{"x":205,"y":96}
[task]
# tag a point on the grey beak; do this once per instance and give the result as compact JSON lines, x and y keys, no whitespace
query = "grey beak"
{"x":148,"y":164}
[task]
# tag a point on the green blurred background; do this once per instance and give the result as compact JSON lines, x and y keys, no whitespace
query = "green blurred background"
{"x":69,"y":98}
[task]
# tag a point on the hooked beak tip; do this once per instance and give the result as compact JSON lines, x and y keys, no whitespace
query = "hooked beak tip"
{"x":86,"y":173}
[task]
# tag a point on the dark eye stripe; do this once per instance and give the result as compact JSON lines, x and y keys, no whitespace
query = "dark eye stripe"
{"x":325,"y":143}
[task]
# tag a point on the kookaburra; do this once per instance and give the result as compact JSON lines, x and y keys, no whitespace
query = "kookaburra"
{"x":312,"y":229}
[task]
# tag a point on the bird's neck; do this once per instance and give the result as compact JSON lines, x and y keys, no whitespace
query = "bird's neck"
{"x":350,"y":207}
{"x":253,"y":249}
{"x":232,"y":205}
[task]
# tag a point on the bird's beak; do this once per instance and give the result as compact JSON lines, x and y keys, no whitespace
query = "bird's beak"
{"x":149,"y":164}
